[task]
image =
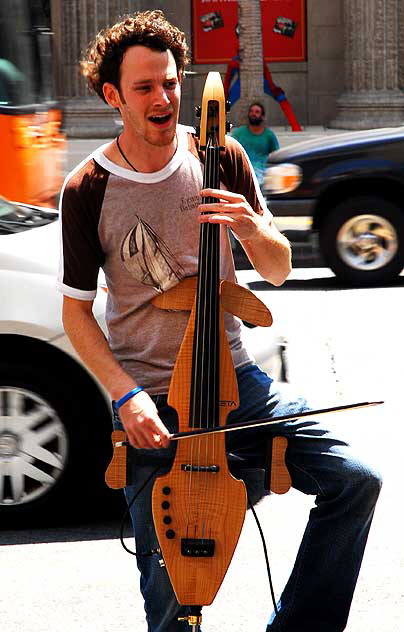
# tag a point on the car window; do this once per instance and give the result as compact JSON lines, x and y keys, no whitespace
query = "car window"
{"x":15,"y":218}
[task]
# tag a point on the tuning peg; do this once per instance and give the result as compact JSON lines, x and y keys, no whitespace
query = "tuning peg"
{"x":228,"y":126}
{"x":198,"y":111}
{"x":198,"y":131}
{"x":228,"y":105}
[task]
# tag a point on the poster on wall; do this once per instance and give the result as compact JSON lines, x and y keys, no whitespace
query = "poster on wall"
{"x":215,"y":28}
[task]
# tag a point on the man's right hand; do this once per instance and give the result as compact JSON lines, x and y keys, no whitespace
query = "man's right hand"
{"x":142,"y":423}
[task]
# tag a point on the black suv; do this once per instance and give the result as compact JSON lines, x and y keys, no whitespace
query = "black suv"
{"x":351,"y":187}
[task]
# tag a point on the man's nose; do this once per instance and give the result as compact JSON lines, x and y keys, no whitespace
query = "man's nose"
{"x":161,"y":97}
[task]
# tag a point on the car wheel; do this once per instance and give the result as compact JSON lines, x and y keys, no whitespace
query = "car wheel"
{"x":362,"y":240}
{"x":50,"y":465}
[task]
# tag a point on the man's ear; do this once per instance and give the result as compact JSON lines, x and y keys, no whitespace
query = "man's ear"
{"x":111,"y":95}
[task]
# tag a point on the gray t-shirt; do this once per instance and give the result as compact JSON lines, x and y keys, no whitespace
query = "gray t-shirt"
{"x":142,"y":229}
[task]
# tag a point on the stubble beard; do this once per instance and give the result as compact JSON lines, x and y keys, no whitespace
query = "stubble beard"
{"x":162,"y":139}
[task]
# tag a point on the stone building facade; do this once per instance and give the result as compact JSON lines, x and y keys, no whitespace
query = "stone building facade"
{"x":353,"y":77}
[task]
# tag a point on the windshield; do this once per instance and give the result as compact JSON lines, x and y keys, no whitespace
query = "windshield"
{"x":15,"y":218}
{"x":25,"y":53}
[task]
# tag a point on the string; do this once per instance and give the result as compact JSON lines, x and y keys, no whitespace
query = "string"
{"x":212,"y":259}
{"x":122,"y":154}
{"x":208,"y":329}
{"x":207,"y":334}
{"x":199,"y":348}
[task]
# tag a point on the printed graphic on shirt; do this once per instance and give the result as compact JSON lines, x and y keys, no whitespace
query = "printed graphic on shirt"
{"x":190,"y":203}
{"x":148,"y":259}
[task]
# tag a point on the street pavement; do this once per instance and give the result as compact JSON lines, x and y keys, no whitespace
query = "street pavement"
{"x":344,"y":345}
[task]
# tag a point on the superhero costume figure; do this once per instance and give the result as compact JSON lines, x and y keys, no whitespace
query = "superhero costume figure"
{"x":232,"y":90}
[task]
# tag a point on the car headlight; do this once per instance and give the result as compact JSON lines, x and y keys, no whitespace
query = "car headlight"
{"x":282,"y":178}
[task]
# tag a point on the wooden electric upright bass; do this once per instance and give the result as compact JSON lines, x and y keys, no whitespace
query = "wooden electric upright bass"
{"x":199,"y":507}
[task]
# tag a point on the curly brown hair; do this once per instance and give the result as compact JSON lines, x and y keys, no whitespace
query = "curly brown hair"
{"x":148,"y":28}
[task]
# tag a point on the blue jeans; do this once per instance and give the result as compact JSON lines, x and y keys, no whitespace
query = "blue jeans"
{"x":318,"y":594}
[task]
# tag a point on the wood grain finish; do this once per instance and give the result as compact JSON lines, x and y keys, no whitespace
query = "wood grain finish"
{"x":115,"y":476}
{"x":203,"y":505}
{"x":280,"y":478}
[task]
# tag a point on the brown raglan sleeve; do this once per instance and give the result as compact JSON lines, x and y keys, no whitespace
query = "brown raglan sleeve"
{"x":81,"y":253}
{"x":238,"y":176}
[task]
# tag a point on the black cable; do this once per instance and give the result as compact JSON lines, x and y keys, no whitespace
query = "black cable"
{"x":277,"y":615}
{"x":127,"y":510}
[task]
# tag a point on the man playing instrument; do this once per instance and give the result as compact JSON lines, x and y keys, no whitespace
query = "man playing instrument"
{"x":133,"y":208}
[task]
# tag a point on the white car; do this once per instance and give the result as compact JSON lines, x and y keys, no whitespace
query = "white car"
{"x":55,"y":419}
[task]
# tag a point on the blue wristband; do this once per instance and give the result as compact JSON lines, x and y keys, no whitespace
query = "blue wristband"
{"x":125,"y":398}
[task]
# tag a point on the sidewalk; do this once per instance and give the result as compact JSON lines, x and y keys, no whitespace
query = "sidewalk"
{"x":287,"y":137}
{"x":79,"y":148}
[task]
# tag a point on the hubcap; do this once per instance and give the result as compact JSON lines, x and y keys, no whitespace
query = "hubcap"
{"x":8,"y":445}
{"x":33,"y":446}
{"x":367,"y":242}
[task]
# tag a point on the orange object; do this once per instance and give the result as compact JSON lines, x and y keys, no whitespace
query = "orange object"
{"x":32,"y":153}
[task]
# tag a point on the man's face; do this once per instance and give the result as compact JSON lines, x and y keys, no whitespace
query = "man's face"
{"x":150,"y":94}
{"x":255,"y":116}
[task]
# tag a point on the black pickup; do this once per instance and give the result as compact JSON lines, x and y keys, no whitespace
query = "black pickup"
{"x":195,"y":547}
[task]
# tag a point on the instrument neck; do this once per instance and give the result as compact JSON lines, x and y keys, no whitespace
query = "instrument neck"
{"x":205,"y":364}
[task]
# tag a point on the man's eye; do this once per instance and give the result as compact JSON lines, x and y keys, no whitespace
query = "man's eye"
{"x":171,"y":85}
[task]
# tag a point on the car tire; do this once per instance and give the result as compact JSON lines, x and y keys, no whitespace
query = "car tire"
{"x":53,"y":448}
{"x":362,"y":240}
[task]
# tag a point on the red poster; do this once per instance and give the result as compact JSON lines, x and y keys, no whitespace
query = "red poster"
{"x":215,"y":24}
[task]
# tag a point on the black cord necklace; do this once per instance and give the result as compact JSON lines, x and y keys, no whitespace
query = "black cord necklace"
{"x":123,"y":155}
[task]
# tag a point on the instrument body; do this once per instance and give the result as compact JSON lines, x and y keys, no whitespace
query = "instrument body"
{"x":199,"y":507}
{"x":207,"y":504}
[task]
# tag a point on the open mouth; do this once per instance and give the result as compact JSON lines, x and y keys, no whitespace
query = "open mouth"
{"x":160,"y":119}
